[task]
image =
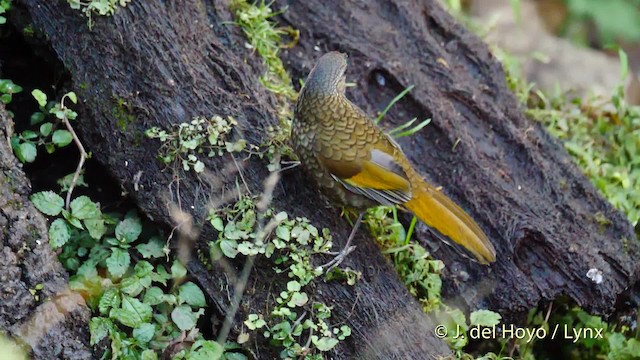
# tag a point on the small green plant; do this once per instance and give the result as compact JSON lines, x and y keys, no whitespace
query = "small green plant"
{"x":28,"y":31}
{"x":600,"y":134}
{"x":454,"y":327}
{"x":208,"y":350}
{"x":8,"y":88}
{"x":604,"y":143}
{"x":81,"y":231}
{"x":26,"y":143}
{"x":182,"y":145}
{"x":266,"y":38}
{"x":97,"y":7}
{"x":405,"y":129}
{"x":613,"y":20}
{"x":296,"y":323}
{"x":4,"y":6}
{"x":599,"y":339}
{"x":145,"y":311}
{"x":413,"y":263}
{"x":35,"y":292}
{"x":536,"y":328}
{"x":421,"y":274}
{"x":122,"y":112}
{"x":140,"y":304}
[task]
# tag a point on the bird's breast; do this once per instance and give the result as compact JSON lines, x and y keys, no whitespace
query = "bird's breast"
{"x":318,"y":131}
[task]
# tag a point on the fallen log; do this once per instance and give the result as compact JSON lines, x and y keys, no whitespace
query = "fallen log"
{"x":538,"y":209}
{"x":168,"y":63}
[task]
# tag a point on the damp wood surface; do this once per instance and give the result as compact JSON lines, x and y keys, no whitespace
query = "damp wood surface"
{"x":51,"y":322}
{"x":171,"y":61}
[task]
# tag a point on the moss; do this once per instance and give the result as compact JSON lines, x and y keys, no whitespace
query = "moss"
{"x":625,"y":244}
{"x":266,"y":38}
{"x":28,"y":31}
{"x":122,"y":113}
{"x":9,"y":181}
{"x":601,"y":219}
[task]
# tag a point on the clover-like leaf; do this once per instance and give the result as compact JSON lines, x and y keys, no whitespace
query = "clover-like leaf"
{"x":48,"y":202}
{"x":184,"y":317}
{"x":62,"y":138}
{"x":144,"y":333}
{"x":83,"y":208}
{"x":128,"y":230}
{"x":58,"y":233}
{"x":153,"y":249}
{"x":40,"y":97}
{"x":118,"y":262}
{"x":191,"y":294}
{"x":26,"y":152}
{"x":484,"y":318}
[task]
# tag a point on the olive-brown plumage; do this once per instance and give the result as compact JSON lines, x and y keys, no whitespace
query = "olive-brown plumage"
{"x":358,"y":166}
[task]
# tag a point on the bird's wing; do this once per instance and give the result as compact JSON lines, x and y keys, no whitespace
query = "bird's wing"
{"x":376,"y":175}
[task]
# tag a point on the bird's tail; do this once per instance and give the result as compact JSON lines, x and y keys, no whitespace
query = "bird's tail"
{"x":438,"y":211}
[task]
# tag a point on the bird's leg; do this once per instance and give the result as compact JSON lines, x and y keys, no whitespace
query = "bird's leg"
{"x":288,"y":165}
{"x":347,"y":247}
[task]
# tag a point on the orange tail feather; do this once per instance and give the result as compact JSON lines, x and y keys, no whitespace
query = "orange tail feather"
{"x":439,"y":212}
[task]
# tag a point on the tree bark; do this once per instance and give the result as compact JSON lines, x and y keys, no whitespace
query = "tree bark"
{"x":513,"y":178}
{"x":171,"y":61}
{"x":51,"y":322}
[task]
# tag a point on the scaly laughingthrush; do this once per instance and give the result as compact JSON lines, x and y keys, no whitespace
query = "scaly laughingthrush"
{"x":358,"y":166}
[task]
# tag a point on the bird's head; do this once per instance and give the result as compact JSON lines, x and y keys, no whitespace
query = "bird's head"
{"x":328,"y":76}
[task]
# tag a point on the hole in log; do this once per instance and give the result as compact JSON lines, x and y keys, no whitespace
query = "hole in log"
{"x":532,"y":253}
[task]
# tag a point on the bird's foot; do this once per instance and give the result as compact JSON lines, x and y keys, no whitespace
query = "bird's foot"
{"x":338,"y":259}
{"x":288,"y":165}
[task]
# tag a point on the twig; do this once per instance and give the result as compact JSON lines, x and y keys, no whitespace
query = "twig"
{"x":546,"y":318}
{"x":243,"y":279}
{"x":307,"y":346}
{"x":83,"y":154}
{"x":237,"y":297}
{"x":298,"y":320}
{"x":290,"y":165}
{"x":240,"y":172}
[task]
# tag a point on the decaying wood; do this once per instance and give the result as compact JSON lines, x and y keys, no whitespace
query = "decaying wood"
{"x":170,"y":61}
{"x":517,"y":181}
{"x":51,"y":321}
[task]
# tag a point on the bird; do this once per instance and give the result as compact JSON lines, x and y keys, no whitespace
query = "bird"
{"x":358,"y":166}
